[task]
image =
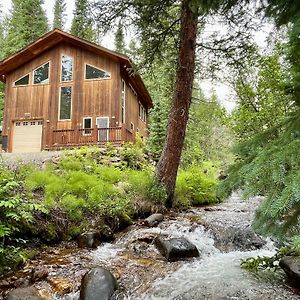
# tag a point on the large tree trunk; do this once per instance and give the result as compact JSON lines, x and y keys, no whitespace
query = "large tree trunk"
{"x":167,"y":167}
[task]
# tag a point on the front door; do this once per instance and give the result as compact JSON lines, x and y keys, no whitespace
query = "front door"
{"x":103,"y":124}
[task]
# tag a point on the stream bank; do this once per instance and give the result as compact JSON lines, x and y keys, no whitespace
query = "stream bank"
{"x":221,"y":233}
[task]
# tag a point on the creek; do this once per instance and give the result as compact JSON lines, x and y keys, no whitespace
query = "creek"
{"x":222,"y":235}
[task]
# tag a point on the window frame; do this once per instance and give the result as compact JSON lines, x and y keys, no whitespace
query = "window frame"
{"x":92,"y":79}
{"x":84,"y":132}
{"x":14,"y":85}
{"x":123,"y":101}
{"x":59,"y":102}
{"x":64,"y":81}
{"x":142,"y":113}
{"x":49,"y":74}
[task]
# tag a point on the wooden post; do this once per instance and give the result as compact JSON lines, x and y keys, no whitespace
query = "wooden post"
{"x":95,"y":135}
{"x":123,"y":133}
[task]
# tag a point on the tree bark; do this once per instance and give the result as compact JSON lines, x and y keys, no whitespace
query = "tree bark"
{"x":167,"y":167}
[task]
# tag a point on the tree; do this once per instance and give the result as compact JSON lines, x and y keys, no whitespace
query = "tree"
{"x":167,"y":166}
{"x":119,"y":39}
{"x":82,"y":25}
{"x":170,"y":17}
{"x":261,"y":95}
{"x":28,"y":22}
{"x":268,"y":162}
{"x":208,"y":136}
{"x":59,"y":19}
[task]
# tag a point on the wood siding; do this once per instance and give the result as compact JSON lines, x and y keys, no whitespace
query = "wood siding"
{"x":90,"y":98}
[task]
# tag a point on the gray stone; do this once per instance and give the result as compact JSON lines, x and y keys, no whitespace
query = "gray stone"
{"x":176,"y":248}
{"x":153,"y":220}
{"x":291,"y":266}
{"x":30,"y":293}
{"x":89,"y":240}
{"x":97,"y":284}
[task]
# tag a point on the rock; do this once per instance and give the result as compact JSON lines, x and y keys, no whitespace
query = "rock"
{"x":176,"y":248}
{"x":89,"y":240}
{"x":39,"y":274}
{"x":153,"y":220}
{"x":61,"y":285}
{"x":97,"y":284}
{"x":29,"y":293}
{"x":291,"y":266}
{"x":45,"y":294}
{"x":21,"y":283}
{"x":4,"y":284}
{"x":106,"y":234}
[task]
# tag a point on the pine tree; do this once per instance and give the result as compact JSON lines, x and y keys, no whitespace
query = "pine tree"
{"x":28,"y":22}
{"x":82,"y":23}
{"x":59,"y":14}
{"x":119,"y":39}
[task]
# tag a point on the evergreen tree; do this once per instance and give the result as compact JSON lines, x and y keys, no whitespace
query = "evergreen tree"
{"x":82,"y":25}
{"x":28,"y":22}
{"x":59,"y":9}
{"x":268,"y":162}
{"x":119,"y":39}
{"x":208,"y":136}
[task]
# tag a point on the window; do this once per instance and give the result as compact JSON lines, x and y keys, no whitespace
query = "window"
{"x":95,"y":73}
{"x":32,"y":123}
{"x":131,"y":126}
{"x":65,"y":103}
{"x":41,"y":74}
{"x":18,"y":123}
{"x":23,"y":80}
{"x":87,"y":126}
{"x":123,"y":101}
{"x":66,"y":68}
{"x":25,"y":123}
{"x":142,"y":113}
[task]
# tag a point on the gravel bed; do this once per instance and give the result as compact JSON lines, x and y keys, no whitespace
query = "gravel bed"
{"x":12,"y":160}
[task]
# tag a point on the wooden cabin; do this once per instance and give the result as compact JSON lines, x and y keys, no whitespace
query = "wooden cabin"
{"x":63,"y":91}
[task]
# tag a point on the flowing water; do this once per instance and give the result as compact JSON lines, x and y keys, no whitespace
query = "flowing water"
{"x":222,"y":236}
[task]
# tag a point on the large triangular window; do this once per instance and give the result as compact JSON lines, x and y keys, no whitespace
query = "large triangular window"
{"x":41,"y":74}
{"x":22,"y":81}
{"x":92,"y":72}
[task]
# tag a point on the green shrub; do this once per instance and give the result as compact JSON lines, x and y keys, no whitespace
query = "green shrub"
{"x":195,"y":187}
{"x":133,"y":155}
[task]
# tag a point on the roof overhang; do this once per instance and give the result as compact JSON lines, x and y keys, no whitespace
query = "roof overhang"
{"x":57,"y":36}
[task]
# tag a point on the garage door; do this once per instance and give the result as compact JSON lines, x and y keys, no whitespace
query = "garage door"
{"x":27,"y":136}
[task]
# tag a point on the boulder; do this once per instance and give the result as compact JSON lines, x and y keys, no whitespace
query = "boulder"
{"x":38,"y":274}
{"x":90,"y":239}
{"x":291,"y":266}
{"x":29,"y":293}
{"x":153,"y":220}
{"x":97,"y":284}
{"x":176,"y":248}
{"x":106,"y":234}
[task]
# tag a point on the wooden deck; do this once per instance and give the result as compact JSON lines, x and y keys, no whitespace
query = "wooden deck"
{"x":76,"y":137}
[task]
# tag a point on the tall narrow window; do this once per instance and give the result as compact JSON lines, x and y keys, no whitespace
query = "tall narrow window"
{"x":95,"y":73}
{"x":41,"y":74}
{"x":123,"y":101}
{"x":65,"y":103}
{"x":66,"y":68}
{"x":22,"y":81}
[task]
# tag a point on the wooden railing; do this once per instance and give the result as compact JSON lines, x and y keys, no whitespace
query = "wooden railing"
{"x":65,"y":138}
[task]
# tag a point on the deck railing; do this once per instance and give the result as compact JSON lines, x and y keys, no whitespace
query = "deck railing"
{"x":75,"y":137}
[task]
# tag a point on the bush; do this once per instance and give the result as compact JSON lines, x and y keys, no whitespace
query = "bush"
{"x":194,"y":187}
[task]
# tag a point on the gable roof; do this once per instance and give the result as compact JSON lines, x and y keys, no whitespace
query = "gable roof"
{"x":56,"y":36}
